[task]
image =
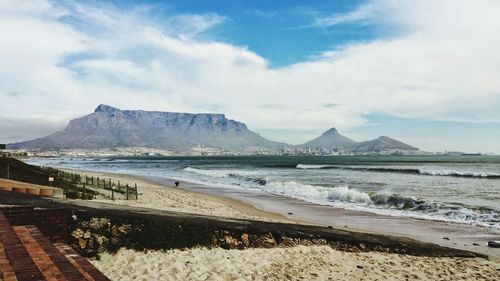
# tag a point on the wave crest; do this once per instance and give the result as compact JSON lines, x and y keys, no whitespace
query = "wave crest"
{"x":425,"y":172}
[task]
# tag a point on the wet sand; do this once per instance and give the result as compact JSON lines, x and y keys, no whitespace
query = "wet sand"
{"x":459,"y":236}
{"x":295,"y":263}
{"x":159,"y":193}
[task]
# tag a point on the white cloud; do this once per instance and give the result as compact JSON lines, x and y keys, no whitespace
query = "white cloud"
{"x":61,"y":61}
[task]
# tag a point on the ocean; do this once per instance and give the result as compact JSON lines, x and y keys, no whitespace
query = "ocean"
{"x":456,"y":189}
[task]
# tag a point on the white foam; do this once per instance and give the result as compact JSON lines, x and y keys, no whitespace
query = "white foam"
{"x":220,"y":173}
{"x":312,"y":167}
{"x":317,"y":194}
{"x":458,"y":173}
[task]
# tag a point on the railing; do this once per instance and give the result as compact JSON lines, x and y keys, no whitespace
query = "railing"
{"x":87,"y":187}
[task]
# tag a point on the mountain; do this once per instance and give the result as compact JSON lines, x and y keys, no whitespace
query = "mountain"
{"x":329,"y":140}
{"x":333,"y":139}
{"x":381,"y":144}
{"x":110,"y":127}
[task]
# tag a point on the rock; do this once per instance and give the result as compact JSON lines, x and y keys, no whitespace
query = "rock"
{"x":359,"y":266}
{"x":245,"y":240}
{"x":101,"y":239}
{"x":354,"y":249}
{"x":78,"y":233}
{"x":330,"y":227}
{"x":446,"y":238}
{"x":95,"y":223}
{"x":82,"y":243}
{"x":476,"y":244}
{"x":114,"y":230}
{"x":87,"y":235}
{"x":288,"y":242}
{"x":362,"y":246}
{"x":494,"y":244}
{"x":266,"y":241}
{"x":126,"y":228}
{"x":115,"y":241}
{"x":290,"y":213}
{"x":228,"y":242}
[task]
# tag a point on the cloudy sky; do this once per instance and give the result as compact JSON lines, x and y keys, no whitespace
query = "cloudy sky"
{"x":423,"y":71}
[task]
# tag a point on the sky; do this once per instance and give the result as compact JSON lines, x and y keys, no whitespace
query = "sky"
{"x":423,"y":71}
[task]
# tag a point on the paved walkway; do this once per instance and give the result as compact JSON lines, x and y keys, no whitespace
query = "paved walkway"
{"x":26,"y":254}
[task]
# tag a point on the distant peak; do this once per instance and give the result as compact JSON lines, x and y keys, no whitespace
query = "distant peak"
{"x":332,"y":131}
{"x":105,"y":108}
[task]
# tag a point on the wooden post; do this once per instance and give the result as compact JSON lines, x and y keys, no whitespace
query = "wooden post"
{"x":136,"y":196}
{"x":110,"y":185}
{"x":127,"y":190}
{"x":112,"y":194}
{"x":92,"y":180}
{"x":8,"y":168}
{"x":119,"y":189}
{"x":97,"y":182}
{"x":84,"y":192}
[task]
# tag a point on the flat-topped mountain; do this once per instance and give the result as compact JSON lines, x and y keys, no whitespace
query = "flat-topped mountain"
{"x":110,"y":127}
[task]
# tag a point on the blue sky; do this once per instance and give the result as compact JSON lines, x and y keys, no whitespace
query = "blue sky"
{"x":422,"y":71}
{"x":280,"y":31}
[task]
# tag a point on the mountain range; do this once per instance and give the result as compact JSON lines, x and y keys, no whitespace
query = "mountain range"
{"x":110,"y":127}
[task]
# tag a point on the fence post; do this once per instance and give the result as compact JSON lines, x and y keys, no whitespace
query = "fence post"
{"x":8,"y":168}
{"x":113,"y":193}
{"x":97,"y":182}
{"x":127,"y":190}
{"x":136,"y":196}
{"x":84,"y":192}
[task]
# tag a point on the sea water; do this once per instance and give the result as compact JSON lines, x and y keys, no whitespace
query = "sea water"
{"x":458,"y":189}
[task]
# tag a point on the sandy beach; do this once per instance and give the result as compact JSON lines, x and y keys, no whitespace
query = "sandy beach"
{"x":156,"y":196}
{"x":296,"y":263}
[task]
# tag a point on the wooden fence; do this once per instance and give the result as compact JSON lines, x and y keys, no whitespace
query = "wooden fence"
{"x":87,"y":185}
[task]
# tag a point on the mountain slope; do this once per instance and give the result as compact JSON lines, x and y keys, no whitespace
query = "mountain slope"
{"x":110,"y":127}
{"x":329,"y":140}
{"x":380,"y":144}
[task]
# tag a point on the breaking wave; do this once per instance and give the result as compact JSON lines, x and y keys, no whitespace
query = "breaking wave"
{"x":451,"y":173}
{"x":248,"y":176}
{"x":345,"y":197}
{"x":317,"y":194}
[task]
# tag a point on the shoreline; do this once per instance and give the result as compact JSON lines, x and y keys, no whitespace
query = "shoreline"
{"x":184,"y":234}
{"x":199,"y":203}
{"x":261,"y":206}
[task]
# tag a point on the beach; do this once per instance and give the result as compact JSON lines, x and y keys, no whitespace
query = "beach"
{"x":302,"y":262}
{"x":158,"y":196}
{"x":296,"y":263}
